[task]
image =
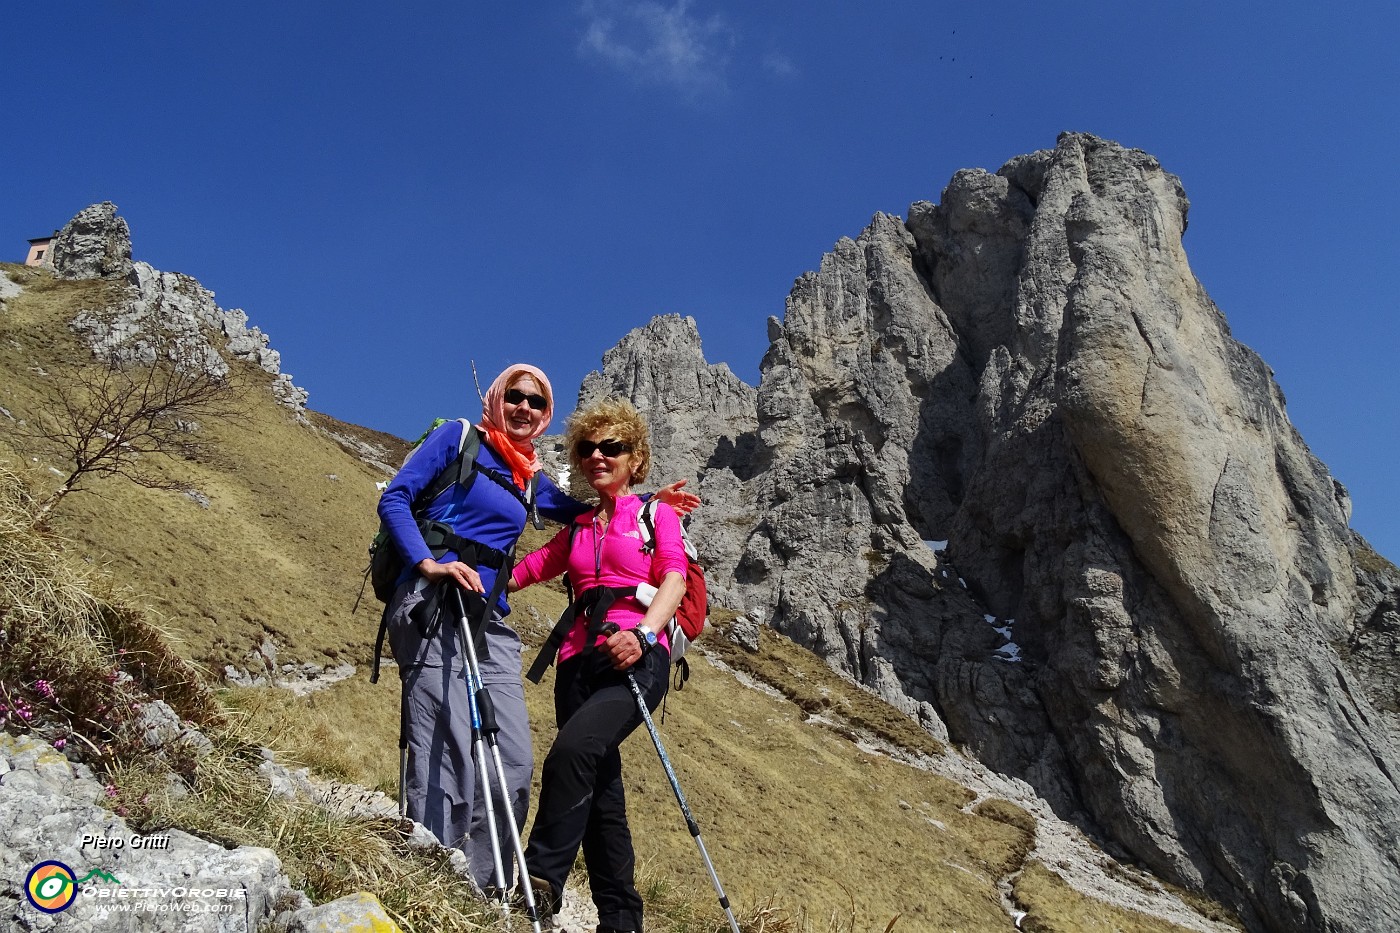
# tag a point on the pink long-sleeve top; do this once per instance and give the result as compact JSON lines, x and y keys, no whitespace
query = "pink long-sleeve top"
{"x":612,"y":558}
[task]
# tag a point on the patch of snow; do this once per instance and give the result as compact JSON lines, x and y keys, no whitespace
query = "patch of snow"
{"x":937,"y":547}
{"x":1009,"y":652}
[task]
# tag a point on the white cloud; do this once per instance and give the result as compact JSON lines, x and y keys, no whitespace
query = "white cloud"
{"x":659,"y":44}
{"x":779,"y":65}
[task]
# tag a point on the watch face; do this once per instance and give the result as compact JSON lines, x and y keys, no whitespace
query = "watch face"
{"x":649,"y":635}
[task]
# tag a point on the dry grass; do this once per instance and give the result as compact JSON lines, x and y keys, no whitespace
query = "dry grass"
{"x":277,"y":553}
{"x":1370,"y":561}
{"x":1052,"y":905}
{"x":325,"y":854}
{"x":78,"y":653}
{"x":346,"y":732}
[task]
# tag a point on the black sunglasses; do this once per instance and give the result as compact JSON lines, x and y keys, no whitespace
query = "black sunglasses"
{"x":537,"y":402}
{"x":609,"y":447}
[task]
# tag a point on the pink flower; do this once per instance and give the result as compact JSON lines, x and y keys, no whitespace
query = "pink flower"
{"x":45,"y":689}
{"x":59,"y":743}
{"x":111,"y":790}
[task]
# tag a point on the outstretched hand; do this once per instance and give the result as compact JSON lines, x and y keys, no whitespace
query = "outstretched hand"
{"x":683,"y":502}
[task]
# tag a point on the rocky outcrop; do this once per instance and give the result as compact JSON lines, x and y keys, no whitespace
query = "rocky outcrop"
{"x":160,"y":308}
{"x":95,"y":244}
{"x":8,"y":290}
{"x":50,"y":811}
{"x":1012,"y":472}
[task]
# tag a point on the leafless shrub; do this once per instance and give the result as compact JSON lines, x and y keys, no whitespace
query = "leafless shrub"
{"x":110,"y":419}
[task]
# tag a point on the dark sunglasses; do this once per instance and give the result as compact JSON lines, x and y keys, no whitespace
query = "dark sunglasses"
{"x":537,"y":402}
{"x":610,"y":448}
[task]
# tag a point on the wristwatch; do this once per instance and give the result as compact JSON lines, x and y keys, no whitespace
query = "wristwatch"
{"x":645,"y":637}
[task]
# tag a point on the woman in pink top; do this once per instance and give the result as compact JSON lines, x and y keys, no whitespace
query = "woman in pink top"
{"x":581,"y":797}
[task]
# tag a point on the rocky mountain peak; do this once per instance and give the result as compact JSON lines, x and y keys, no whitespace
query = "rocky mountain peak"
{"x":1008,"y":468}
{"x":661,"y":367}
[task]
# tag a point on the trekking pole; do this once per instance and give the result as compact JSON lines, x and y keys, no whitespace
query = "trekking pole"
{"x":676,"y":787}
{"x":489,"y":727}
{"x":403,"y":750}
{"x":479,"y":748}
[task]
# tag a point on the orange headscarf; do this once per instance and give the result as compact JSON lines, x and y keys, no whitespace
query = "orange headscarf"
{"x":520,"y":456}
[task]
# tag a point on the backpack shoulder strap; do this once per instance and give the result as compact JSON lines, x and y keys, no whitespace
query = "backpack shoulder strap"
{"x":461,"y":471}
{"x":532,"y":506}
{"x":646,"y":524}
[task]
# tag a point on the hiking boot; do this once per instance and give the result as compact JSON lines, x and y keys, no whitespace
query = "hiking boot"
{"x":511,"y":898}
{"x":547,"y":900}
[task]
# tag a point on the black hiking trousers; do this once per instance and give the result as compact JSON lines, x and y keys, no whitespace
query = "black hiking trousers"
{"x":581,"y":797}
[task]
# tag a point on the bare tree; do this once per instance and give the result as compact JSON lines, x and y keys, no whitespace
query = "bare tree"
{"x":110,"y":418}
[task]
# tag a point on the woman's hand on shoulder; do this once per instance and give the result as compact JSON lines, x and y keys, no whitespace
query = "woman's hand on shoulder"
{"x":465,"y":575}
{"x":683,"y":502}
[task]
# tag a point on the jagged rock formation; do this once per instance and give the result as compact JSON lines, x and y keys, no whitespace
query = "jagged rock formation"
{"x":1012,"y":472}
{"x":661,"y":368}
{"x":97,"y":244}
{"x":702,"y":420}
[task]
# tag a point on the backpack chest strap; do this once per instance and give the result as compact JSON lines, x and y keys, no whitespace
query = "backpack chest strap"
{"x":593,"y":603}
{"x":440,"y":538}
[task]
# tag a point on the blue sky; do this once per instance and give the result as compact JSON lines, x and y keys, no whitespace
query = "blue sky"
{"x":390,"y":190}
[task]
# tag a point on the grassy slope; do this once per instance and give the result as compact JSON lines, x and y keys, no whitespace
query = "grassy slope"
{"x":792,"y":812}
{"x":278,"y":551}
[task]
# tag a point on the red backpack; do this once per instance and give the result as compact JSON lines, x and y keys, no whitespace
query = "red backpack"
{"x":694,"y":611}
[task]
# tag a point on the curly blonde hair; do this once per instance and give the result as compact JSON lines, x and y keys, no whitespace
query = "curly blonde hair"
{"x":611,"y":418}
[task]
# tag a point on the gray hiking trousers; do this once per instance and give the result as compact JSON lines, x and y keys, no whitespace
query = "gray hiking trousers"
{"x":443,"y":791}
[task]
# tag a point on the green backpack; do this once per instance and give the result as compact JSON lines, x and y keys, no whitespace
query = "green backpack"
{"x":385,"y":561}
